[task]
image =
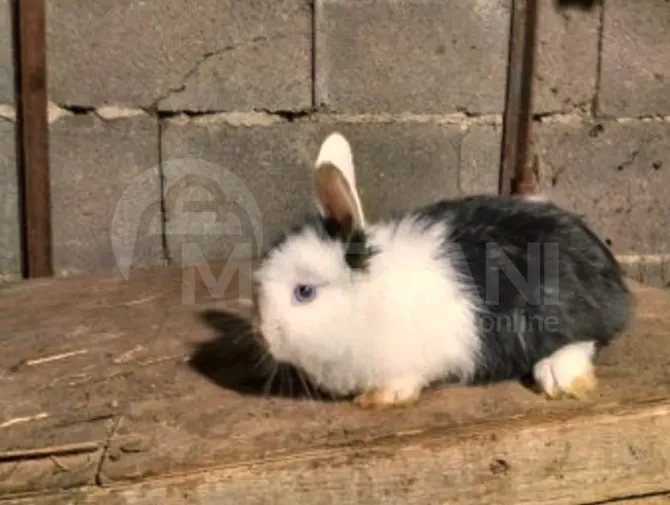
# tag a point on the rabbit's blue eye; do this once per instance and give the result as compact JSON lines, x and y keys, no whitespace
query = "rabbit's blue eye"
{"x":304,"y":293}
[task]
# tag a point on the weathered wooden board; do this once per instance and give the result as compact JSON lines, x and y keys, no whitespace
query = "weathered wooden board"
{"x":100,"y":403}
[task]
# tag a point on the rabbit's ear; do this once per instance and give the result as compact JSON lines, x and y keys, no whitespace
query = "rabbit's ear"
{"x":335,"y":186}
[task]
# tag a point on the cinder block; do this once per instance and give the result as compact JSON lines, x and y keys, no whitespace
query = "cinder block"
{"x":177,"y":54}
{"x":399,"y":166}
{"x":106,"y":199}
{"x":653,"y":270}
{"x":421,"y":56}
{"x":566,"y":58}
{"x":10,"y":244}
{"x":635,"y":59}
{"x":227,"y":189}
{"x":242,"y":180}
{"x":617,"y":175}
{"x":480,"y":160}
{"x":6,"y":54}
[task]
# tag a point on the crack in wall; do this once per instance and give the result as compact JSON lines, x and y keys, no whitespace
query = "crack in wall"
{"x":206,"y":57}
{"x":165,"y":250}
{"x":264,"y":117}
{"x":313,"y":6}
{"x":632,"y":156}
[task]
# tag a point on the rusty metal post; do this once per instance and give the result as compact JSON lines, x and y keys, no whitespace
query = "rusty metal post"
{"x":516,"y":171}
{"x":33,"y":136}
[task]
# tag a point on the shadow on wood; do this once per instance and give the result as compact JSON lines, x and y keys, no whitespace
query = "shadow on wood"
{"x":234,"y":360}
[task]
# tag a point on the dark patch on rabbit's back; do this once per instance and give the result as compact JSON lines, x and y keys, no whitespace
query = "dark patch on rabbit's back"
{"x":520,"y":326}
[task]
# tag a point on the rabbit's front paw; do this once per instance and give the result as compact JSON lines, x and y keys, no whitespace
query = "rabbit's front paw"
{"x":401,"y":393}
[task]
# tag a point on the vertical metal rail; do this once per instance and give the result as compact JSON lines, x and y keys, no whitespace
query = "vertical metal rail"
{"x":516,"y":172}
{"x":33,"y":137}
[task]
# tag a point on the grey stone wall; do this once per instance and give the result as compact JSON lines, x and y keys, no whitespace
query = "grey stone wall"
{"x":10,"y":249}
{"x":238,"y":96}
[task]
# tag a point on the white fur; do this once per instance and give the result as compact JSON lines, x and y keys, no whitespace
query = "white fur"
{"x":557,"y":372}
{"x":407,"y":322}
{"x":337,"y":151}
{"x":404,"y":323}
{"x":537,"y":197}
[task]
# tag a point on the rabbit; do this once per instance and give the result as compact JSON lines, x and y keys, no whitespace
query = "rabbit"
{"x":473,"y":290}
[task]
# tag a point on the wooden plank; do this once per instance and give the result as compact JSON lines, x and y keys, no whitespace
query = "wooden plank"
{"x":543,"y":461}
{"x":516,"y":171}
{"x":33,"y":139}
{"x":98,"y":396}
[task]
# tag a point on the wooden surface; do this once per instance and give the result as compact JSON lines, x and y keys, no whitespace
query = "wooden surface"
{"x":111,"y":394}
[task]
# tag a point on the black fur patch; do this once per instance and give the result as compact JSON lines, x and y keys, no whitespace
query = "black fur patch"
{"x":309,"y":222}
{"x":522,"y":323}
{"x":357,"y":250}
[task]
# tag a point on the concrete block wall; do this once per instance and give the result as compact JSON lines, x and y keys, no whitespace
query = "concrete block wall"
{"x":10,"y":247}
{"x":253,"y":87}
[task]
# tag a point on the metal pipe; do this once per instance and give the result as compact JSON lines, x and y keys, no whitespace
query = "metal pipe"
{"x":33,"y":137}
{"x":516,"y":172}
